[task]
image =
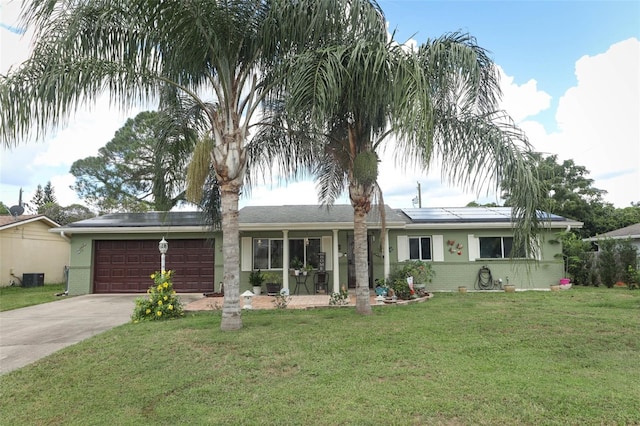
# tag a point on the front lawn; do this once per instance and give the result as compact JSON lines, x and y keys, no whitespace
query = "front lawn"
{"x":482,"y":358}
{"x":20,"y":297}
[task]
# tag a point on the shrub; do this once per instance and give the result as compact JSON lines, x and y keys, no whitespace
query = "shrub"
{"x":607,"y":265}
{"x":162,"y":301}
{"x":339,"y":299}
{"x":282,"y":299}
{"x":421,"y":272}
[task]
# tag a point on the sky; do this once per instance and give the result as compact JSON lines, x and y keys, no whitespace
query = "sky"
{"x":570,"y":77}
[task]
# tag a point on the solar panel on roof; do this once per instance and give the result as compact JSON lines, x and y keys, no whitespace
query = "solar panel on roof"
{"x":468,"y":214}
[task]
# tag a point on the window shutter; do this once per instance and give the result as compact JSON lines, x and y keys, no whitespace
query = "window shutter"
{"x":326,"y":246}
{"x":538,"y":248}
{"x":437,"y":241}
{"x":403,"y":248}
{"x":473,"y":247}
{"x":246,"y":260}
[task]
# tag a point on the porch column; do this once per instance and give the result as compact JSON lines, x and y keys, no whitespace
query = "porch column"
{"x":336,"y":263}
{"x":387,"y":263}
{"x":285,"y":260}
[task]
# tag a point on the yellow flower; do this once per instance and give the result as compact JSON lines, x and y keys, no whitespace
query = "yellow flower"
{"x":159,"y":287}
{"x":166,"y":298}
{"x":171,"y":307}
{"x":159,"y":313}
{"x":165,"y":285}
{"x":159,"y":302}
{"x":153,"y":276}
{"x":148,"y":311}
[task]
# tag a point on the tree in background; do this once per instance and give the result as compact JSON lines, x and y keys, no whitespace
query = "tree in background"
{"x":567,"y":191}
{"x":41,"y":197}
{"x":65,"y":215}
{"x":140,"y":169}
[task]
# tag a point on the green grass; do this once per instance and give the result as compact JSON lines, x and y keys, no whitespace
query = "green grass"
{"x":19,"y":297}
{"x":483,"y":359}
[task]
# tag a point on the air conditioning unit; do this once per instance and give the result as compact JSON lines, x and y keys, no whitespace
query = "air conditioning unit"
{"x":33,"y":280}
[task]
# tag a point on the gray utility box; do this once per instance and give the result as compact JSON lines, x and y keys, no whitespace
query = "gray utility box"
{"x":33,"y":280}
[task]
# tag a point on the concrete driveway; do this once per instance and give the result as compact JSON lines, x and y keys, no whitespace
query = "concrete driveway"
{"x":31,"y":333}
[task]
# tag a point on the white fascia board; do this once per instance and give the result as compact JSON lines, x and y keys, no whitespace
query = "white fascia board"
{"x":619,"y":237}
{"x":30,"y":220}
{"x":311,"y":226}
{"x":132,"y":230}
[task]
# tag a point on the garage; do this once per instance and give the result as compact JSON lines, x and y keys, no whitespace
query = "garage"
{"x":125,"y":266}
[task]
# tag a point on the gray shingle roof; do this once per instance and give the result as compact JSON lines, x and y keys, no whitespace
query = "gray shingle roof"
{"x":306,"y":216}
{"x":311,"y":214}
{"x":631,"y":231}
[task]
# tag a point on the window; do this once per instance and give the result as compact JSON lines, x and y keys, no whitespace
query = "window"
{"x":267,"y":253}
{"x":420,"y":248}
{"x":305,"y":249}
{"x":498,"y":248}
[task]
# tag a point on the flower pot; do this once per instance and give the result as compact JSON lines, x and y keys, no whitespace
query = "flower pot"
{"x":509,"y":288}
{"x":273,"y":289}
{"x":462,"y":289}
{"x":257,"y":290}
{"x":554,"y":287}
{"x":564,"y":281}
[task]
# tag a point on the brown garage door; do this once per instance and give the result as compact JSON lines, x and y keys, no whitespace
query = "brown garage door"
{"x":125,"y":266}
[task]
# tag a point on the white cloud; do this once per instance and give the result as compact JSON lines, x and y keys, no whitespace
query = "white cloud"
{"x":598,"y":122}
{"x":522,"y":101}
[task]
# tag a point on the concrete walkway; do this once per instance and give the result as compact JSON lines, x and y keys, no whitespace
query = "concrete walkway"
{"x":28,"y":334}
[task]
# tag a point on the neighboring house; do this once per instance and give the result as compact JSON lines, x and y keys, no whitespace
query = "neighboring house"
{"x":118,"y":252}
{"x":27,"y":247}
{"x":631,"y":233}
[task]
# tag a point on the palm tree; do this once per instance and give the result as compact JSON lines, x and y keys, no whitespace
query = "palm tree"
{"x":223,"y":55}
{"x":437,"y":103}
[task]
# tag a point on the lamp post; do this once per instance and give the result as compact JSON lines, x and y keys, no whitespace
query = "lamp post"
{"x":163,"y":246}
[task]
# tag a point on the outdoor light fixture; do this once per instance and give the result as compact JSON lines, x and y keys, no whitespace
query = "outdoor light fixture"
{"x":163,"y":246}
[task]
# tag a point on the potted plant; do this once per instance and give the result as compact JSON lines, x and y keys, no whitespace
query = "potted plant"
{"x":296,"y":264}
{"x":306,"y":269}
{"x":273,"y":281}
{"x":256,"y":279}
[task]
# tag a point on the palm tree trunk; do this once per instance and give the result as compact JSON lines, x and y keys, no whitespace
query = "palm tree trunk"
{"x":363,"y":305}
{"x":229,"y":195}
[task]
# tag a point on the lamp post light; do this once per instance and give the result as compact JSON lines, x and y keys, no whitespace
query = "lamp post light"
{"x":163,"y":246}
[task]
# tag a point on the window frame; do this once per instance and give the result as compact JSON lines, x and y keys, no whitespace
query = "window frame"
{"x":307,"y":257}
{"x":503,"y":248}
{"x":306,"y":244}
{"x":420,"y":247}
{"x":257,"y":240}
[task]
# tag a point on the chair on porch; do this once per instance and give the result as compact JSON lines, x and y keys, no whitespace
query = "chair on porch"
{"x":320,"y":281}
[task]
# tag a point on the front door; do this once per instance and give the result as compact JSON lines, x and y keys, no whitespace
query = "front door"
{"x":351,"y":262}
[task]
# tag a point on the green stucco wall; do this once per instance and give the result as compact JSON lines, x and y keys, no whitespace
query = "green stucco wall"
{"x":455,"y":270}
